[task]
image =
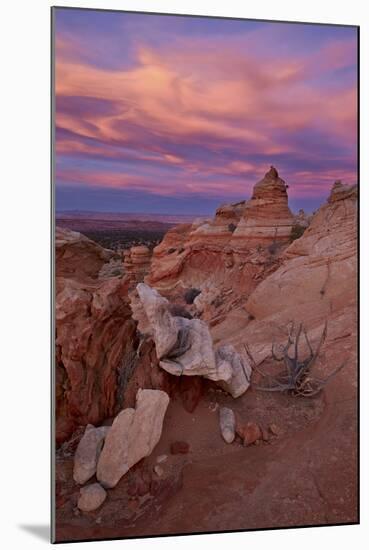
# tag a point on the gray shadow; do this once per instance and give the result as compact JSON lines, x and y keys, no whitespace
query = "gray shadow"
{"x":40,"y":531}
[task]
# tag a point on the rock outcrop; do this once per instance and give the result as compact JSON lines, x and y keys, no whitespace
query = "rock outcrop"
{"x":184,"y":346}
{"x":132,"y":436}
{"x":242,"y":243}
{"x":94,"y":332}
{"x":78,"y":257}
{"x":266,"y":217}
{"x":88,"y":452}
{"x":136,"y":263}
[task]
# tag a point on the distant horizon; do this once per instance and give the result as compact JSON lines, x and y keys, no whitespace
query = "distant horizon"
{"x":181,"y":114}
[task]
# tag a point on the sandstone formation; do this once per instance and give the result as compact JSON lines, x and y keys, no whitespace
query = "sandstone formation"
{"x":94,"y":332}
{"x":88,"y":452}
{"x":227,"y":423}
{"x":91,"y":497}
{"x":184,"y":346}
{"x":136,"y":263}
{"x":266,"y":216}
{"x":132,"y":436}
{"x":241,"y":243}
{"x":77,"y":256}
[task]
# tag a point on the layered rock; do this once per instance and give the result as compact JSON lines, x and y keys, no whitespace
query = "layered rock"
{"x":184,"y":346}
{"x":132,"y":436}
{"x":315,"y":284}
{"x":136,"y":263}
{"x":266,"y":217}
{"x":94,"y":332}
{"x":234,"y":245}
{"x":78,"y":257}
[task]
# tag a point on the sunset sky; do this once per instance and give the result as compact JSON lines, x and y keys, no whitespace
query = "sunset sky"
{"x":178,"y":114}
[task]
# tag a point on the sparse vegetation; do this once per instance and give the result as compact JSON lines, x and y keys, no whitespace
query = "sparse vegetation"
{"x":232,"y":227}
{"x":296,"y":232}
{"x":296,"y":377}
{"x":190,"y":294}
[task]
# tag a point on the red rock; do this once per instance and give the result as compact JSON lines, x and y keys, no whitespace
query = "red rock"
{"x":249,"y":432}
{"x":94,"y":332}
{"x":179,"y":447}
{"x":191,"y":389}
{"x":77,"y":256}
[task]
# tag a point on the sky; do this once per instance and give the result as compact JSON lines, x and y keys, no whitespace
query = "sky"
{"x":169,"y":114}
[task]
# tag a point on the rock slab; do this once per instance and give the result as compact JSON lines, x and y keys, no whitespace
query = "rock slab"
{"x":132,"y":436}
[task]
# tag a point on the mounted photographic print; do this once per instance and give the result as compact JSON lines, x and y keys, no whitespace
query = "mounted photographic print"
{"x":205,"y":176}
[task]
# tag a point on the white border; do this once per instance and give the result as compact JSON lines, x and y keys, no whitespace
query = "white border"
{"x":24,"y":134}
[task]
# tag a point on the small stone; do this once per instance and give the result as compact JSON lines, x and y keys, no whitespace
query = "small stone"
{"x":161,"y":458}
{"x":249,"y":432}
{"x":179,"y":447}
{"x":274,"y":429}
{"x":227,"y":423}
{"x":91,"y":497}
{"x":158,"y":470}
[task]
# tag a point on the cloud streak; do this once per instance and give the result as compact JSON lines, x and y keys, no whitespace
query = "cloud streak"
{"x":208,"y":114}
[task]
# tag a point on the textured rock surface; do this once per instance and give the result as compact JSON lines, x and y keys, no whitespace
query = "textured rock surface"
{"x":227,"y":424}
{"x":133,"y":435}
{"x":88,"y":452}
{"x":94,"y":332}
{"x":241,"y":370}
{"x":137,"y":263}
{"x":184,"y":346}
{"x":77,"y":256}
{"x":266,"y":216}
{"x":91,"y":497}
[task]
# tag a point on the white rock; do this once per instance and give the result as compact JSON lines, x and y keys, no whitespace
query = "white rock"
{"x":227,"y":423}
{"x":133,"y":435}
{"x":240,"y":368}
{"x":158,"y":470}
{"x":91,"y":497}
{"x":185,"y":346}
{"x":88,"y":452}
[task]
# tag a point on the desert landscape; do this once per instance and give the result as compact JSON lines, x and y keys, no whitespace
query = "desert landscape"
{"x":211,"y":382}
{"x":205,"y":178}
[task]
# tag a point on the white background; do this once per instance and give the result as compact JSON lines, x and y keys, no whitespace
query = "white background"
{"x":25,"y":261}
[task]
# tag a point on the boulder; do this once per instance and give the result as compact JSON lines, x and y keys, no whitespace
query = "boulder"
{"x":88,"y":452}
{"x":91,"y":497}
{"x":227,"y":424}
{"x":133,"y":435}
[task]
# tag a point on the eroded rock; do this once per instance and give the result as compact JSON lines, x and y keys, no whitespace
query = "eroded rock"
{"x":185,"y":346}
